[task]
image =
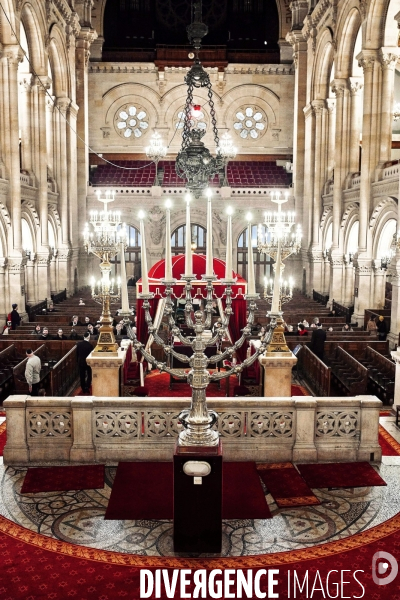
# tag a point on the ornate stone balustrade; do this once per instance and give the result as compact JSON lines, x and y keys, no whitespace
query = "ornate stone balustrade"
{"x":44,"y":430}
{"x":392,"y":171}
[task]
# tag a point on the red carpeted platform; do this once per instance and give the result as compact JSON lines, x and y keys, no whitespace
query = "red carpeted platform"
{"x":62,"y":479}
{"x":340,"y":475}
{"x":285,"y":484}
{"x":144,"y":491}
{"x":388,"y":444}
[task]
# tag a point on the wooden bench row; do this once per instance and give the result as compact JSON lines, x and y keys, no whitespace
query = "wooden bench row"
{"x":351,"y":377}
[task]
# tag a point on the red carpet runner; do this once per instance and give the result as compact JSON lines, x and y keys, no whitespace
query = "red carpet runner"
{"x":340,"y":475}
{"x":388,"y":444}
{"x":62,"y":479}
{"x":3,"y":437}
{"x":144,"y":491}
{"x":285,"y":484}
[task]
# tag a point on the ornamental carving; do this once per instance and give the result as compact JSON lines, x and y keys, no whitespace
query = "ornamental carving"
{"x":271,"y":424}
{"x":231,"y":425}
{"x":49,"y":424}
{"x":116,"y":424}
{"x":131,"y":120}
{"x":250,"y":122}
{"x":157,"y":221}
{"x":337,"y":424}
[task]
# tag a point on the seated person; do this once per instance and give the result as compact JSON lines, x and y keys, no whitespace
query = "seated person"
{"x":301,"y":330}
{"x":73,"y":335}
{"x":45,"y":334}
{"x":51,"y":307}
{"x":37,"y":330}
{"x":332,"y":313}
{"x":60,"y":335}
{"x":75,"y":321}
{"x":88,"y":321}
{"x":330,"y":329}
{"x":7,"y":328}
{"x":93,"y":331}
{"x":120,"y":329}
{"x":81,"y":302}
{"x":347,"y":327}
{"x":306,"y":323}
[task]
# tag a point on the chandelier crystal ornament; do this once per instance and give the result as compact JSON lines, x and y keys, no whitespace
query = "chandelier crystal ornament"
{"x":156,"y":151}
{"x":104,"y":236}
{"x":194,"y":161}
{"x":228,"y":151}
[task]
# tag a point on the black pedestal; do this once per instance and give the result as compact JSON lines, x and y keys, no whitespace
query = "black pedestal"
{"x":198,"y":501}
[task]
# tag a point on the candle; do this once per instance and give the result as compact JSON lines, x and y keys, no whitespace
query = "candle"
{"x":124,"y":288}
{"x":188,"y":253}
{"x":168,"y":253}
{"x":251,"y":286}
{"x":229,"y":249}
{"x":209,"y":252}
{"x":145,"y":278}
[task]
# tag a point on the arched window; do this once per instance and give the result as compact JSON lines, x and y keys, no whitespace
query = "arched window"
{"x":26,"y":236}
{"x":51,"y":236}
{"x":198,"y":238}
{"x":386,"y":239}
{"x":328,"y":237}
{"x":262,"y":262}
{"x":133,"y":259}
{"x":352,"y":242}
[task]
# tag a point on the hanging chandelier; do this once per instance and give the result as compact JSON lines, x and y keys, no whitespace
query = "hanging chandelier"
{"x":278,"y":231}
{"x":194,"y":162}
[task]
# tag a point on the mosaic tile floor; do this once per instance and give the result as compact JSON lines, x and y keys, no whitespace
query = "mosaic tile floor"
{"x":78,"y":516}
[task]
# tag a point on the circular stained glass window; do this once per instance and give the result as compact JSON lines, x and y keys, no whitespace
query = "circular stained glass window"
{"x":250,"y":122}
{"x":131,"y":121}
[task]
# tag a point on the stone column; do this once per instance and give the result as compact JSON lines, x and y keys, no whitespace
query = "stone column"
{"x":63,"y":104}
{"x":43,"y":276}
{"x":53,"y":275}
{"x":278,"y":373}
{"x":26,"y":141}
{"x":4,"y":304}
{"x":318,"y":108}
{"x":12,"y":56}
{"x":393,"y":336}
{"x":331,"y":106}
{"x":362,"y":288}
{"x":83,"y":449}
{"x":16,"y":451}
{"x":355,"y":86}
{"x":379,"y":285}
{"x":338,"y":87}
{"x":316,"y":259}
{"x":42,"y":168}
{"x":82,"y":53}
{"x":30,"y":280}
{"x":304,"y":449}
{"x":326,"y":274}
{"x":336,"y":278}
{"x":308,"y":189}
{"x":388,"y":58}
{"x":299,"y":45}
{"x":348,"y":299}
{"x":396,"y":357}
{"x":16,"y":283}
{"x":64,"y":279}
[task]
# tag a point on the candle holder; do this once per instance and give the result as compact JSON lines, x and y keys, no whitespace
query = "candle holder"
{"x":104,"y":242}
{"x":198,"y":422}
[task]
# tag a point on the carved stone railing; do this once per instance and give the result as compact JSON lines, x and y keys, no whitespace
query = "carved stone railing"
{"x":392,"y":171}
{"x":71,"y":430}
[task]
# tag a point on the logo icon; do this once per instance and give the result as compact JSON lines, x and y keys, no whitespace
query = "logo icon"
{"x":382,"y":567}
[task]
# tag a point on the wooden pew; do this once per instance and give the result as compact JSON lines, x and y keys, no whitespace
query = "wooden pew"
{"x":381,"y":374}
{"x":64,"y":375}
{"x":343,"y":311}
{"x":350,"y":376}
{"x":9,"y":358}
{"x":356,"y":347}
{"x":321,"y":298}
{"x":314,"y":371}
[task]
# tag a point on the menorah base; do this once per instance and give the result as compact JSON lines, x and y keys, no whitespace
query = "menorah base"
{"x":198,"y":439}
{"x":198,"y":499}
{"x":197,"y":431}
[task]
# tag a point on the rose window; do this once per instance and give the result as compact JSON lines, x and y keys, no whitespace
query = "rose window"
{"x":131,"y":121}
{"x":198,"y":120}
{"x":250,"y":122}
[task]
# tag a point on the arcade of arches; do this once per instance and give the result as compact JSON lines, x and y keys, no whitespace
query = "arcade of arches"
{"x":320,"y":82}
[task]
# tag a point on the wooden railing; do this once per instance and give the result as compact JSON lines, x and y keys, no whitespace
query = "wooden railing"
{"x":36,"y":309}
{"x":64,"y":375}
{"x":59,"y":297}
{"x":314,"y":371}
{"x":321,"y":298}
{"x":344,"y":311}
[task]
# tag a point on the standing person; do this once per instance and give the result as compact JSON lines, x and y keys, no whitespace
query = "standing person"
{"x":15,"y":318}
{"x":32,"y":372}
{"x":371,"y":325}
{"x":83,"y":349}
{"x":382,"y":328}
{"x":317,"y":341}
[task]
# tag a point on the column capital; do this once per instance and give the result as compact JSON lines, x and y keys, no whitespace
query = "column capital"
{"x":355,"y":85}
{"x":338,"y":87}
{"x":63,"y":104}
{"x":388,"y":57}
{"x":318,"y":106}
{"x":330,"y":104}
{"x":366,"y":59}
{"x":13,"y":54}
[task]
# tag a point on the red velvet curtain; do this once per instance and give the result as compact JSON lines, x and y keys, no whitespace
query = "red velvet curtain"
{"x":142,"y":333}
{"x":237,"y":321}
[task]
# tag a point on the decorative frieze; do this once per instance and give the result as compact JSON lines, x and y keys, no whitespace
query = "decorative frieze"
{"x":337,"y":424}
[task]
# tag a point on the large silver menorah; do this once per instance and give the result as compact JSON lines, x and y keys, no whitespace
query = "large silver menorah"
{"x":198,"y":421}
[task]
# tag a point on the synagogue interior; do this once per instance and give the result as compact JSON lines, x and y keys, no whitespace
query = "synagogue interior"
{"x":269,"y":130}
